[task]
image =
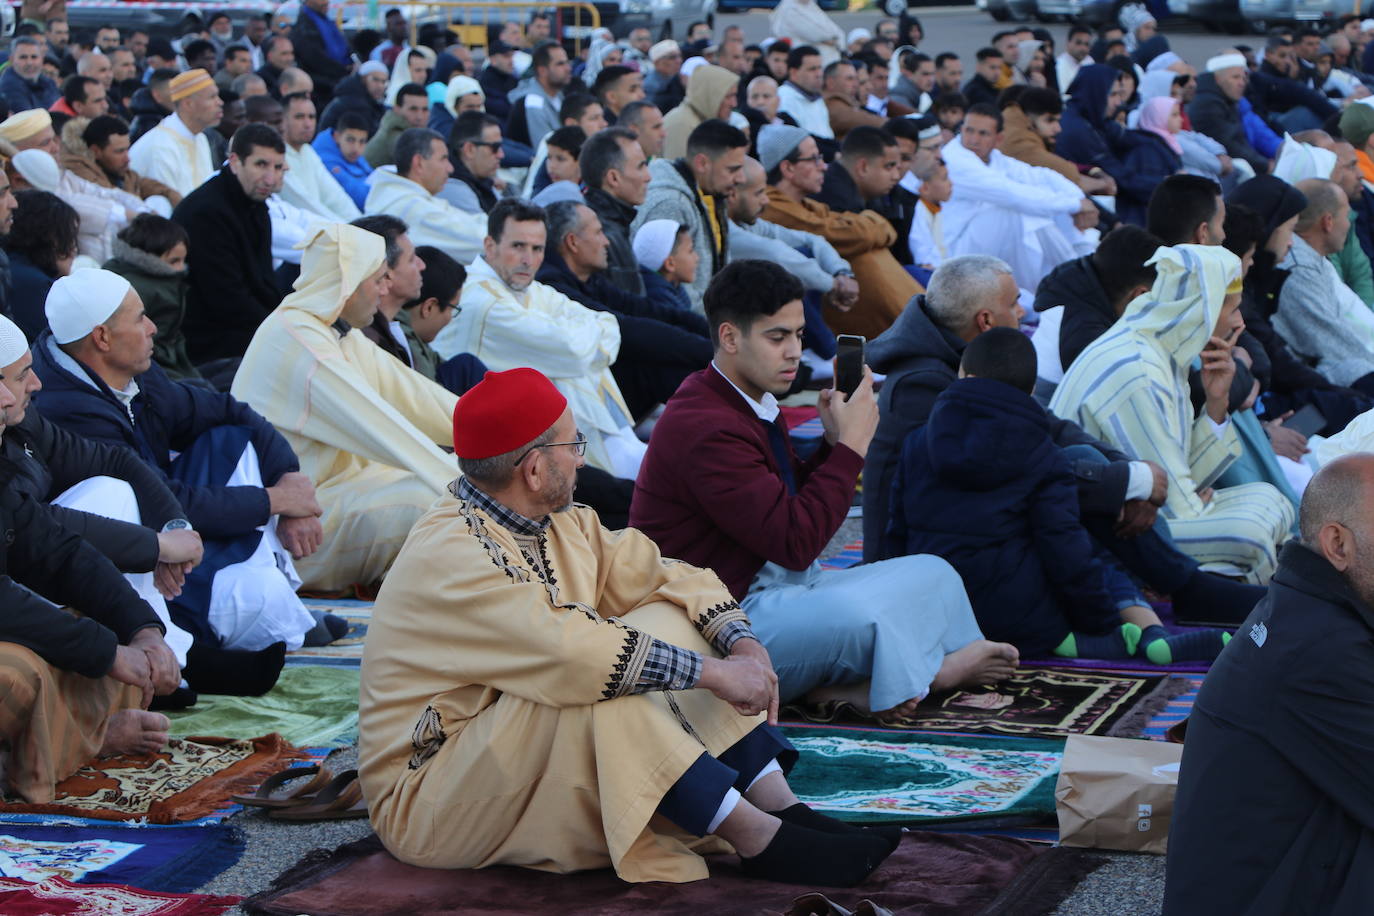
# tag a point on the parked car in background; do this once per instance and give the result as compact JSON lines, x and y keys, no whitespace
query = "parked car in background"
{"x":1003,"y":10}
{"x":159,"y":19}
{"x":1257,"y":15}
{"x":1090,"y":12}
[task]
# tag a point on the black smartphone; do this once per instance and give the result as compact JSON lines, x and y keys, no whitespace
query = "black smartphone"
{"x":849,"y":363}
{"x":1309,"y":421}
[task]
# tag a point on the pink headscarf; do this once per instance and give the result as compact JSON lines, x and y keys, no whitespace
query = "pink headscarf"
{"x":1154,"y":117}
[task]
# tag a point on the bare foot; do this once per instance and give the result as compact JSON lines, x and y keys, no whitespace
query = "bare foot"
{"x":980,"y":662}
{"x":855,"y":695}
{"x":901,"y":710}
{"x":135,"y":732}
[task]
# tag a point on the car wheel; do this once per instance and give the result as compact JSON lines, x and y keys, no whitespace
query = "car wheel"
{"x":894,"y":7}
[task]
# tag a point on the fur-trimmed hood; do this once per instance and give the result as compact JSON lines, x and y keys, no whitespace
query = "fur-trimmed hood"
{"x":71,"y":137}
{"x":145,"y":261}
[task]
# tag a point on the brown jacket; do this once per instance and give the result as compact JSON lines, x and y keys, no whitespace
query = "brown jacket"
{"x":1020,"y":142}
{"x":78,"y":159}
{"x":845,"y":115}
{"x":864,"y":240}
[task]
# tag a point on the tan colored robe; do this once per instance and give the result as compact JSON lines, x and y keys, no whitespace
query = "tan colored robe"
{"x":496,"y":722}
{"x":862,"y":239}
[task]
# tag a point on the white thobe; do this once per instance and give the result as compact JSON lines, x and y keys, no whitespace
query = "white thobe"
{"x":171,"y":154}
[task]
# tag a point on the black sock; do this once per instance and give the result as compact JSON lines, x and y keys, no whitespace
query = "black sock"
{"x":803,"y":816}
{"x":1213,"y":599}
{"x":234,"y":672}
{"x":801,"y":856}
{"x":327,"y":628}
{"x":181,"y":698}
{"x":1163,"y":648}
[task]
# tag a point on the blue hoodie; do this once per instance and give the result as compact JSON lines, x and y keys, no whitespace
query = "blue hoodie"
{"x":1092,"y":139}
{"x":351,"y":176}
{"x":984,"y":486}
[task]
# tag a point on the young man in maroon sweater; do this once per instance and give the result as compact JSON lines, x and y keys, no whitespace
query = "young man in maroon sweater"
{"x":721,"y":488}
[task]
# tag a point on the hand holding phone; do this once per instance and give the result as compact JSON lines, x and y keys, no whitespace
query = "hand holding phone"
{"x":849,"y":363}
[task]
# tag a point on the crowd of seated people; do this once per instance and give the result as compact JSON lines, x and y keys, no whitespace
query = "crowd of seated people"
{"x":299,"y":310}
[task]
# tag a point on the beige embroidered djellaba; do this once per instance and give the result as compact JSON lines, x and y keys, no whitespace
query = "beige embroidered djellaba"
{"x":497,"y":724}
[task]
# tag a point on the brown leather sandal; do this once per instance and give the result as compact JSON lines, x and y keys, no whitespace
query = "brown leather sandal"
{"x":263,"y":797}
{"x":341,"y":800}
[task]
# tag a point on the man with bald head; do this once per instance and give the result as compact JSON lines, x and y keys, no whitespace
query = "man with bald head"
{"x":1274,"y":812}
{"x":177,"y":152}
{"x":1319,"y":316}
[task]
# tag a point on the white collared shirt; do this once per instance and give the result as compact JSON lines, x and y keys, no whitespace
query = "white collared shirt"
{"x":766,"y":410}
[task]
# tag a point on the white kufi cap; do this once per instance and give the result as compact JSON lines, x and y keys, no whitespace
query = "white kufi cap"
{"x":81,"y":300}
{"x":13,"y":343}
{"x":654,"y":242}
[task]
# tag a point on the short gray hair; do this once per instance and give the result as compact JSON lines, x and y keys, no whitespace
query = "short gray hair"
{"x":563,"y":218}
{"x":496,"y":472}
{"x":962,"y":287}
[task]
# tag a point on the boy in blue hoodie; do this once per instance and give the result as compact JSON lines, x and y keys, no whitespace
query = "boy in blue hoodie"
{"x":667,"y":260}
{"x":341,"y":151}
{"x":983,"y":486}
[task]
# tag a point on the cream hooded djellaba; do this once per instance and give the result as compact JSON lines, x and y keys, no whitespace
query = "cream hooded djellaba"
{"x":366,"y":428}
{"x":1130,"y":388}
{"x":707,"y":88}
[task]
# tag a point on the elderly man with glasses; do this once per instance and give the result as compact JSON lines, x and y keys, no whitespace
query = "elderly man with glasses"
{"x":540,"y":691}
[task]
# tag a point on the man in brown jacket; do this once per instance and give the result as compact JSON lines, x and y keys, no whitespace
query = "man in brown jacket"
{"x":1030,"y":122}
{"x":98,"y":151}
{"x":841,"y":91}
{"x":796,"y":171}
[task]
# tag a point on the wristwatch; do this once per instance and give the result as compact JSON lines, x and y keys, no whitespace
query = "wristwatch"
{"x":176,"y":524}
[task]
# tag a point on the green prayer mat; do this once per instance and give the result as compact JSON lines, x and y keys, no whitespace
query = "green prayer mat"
{"x":311,"y":705}
{"x":871,"y":776}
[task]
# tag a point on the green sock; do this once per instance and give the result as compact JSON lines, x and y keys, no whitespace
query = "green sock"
{"x":1110,"y":645}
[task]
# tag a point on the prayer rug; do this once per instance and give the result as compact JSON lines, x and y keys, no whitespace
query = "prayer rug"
{"x":310,"y":705}
{"x":1177,"y":710}
{"x":870,"y":776}
{"x":56,"y":897}
{"x":930,"y":873}
{"x":1033,"y":702}
{"x":191,"y":778}
{"x":849,"y":555}
{"x":345,"y":652}
{"x":169,"y":861}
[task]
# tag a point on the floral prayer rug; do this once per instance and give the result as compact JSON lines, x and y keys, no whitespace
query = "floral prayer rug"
{"x":1034,"y":702}
{"x":871,"y":776}
{"x":166,"y":860}
{"x":348,"y":651}
{"x":190,"y":778}
{"x":56,"y":897}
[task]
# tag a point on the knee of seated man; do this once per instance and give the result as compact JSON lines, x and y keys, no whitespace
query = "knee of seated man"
{"x":21,"y":675}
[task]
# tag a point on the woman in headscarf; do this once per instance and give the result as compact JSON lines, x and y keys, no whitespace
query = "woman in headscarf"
{"x":412,"y":67}
{"x":803,"y":22}
{"x":1091,"y":138}
{"x":1130,"y":388}
{"x":1157,"y":156}
{"x":1138,"y":25}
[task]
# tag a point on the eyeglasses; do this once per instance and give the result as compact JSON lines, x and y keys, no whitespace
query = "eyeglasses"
{"x":814,"y":160}
{"x":579,"y":448}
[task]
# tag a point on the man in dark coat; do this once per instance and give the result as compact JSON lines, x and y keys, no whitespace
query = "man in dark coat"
{"x":659,"y":345}
{"x":1274,"y":812}
{"x":232,"y":286}
{"x":920,"y":356}
{"x":23,"y":85}
{"x":616,"y":173}
{"x":1214,"y":112}
{"x":1091,"y":138}
{"x":321,"y":49}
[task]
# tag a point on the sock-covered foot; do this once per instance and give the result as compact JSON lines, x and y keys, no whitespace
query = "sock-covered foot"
{"x":803,"y":816}
{"x":1164,"y":648}
{"x":1119,"y":643}
{"x":798,"y":855}
{"x":234,"y":672}
{"x":328,"y":627}
{"x":1214,"y":599}
{"x":181,"y":698}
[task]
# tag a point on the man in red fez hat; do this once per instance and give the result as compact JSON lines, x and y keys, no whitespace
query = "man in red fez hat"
{"x":540,"y":691}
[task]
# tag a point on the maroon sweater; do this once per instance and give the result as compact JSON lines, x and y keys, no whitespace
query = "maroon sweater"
{"x":711,"y":492}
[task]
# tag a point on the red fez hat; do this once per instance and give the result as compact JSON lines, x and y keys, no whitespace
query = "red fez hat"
{"x":504,"y":411}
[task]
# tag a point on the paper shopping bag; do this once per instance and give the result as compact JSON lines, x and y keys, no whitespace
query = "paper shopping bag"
{"x":1117,"y":793}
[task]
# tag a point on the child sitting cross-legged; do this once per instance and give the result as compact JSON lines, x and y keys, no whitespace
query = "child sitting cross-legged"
{"x":983,"y":485}
{"x":667,"y":259}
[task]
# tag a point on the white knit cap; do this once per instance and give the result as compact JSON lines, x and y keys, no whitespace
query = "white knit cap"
{"x":458,"y":87}
{"x":373,"y":66}
{"x":859,"y":34}
{"x":38,"y":168}
{"x":13,"y":344}
{"x":80,"y":301}
{"x":654,"y":242}
{"x":1163,"y":61}
{"x":690,"y":65}
{"x":1225,"y":62}
{"x":663,"y":49}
